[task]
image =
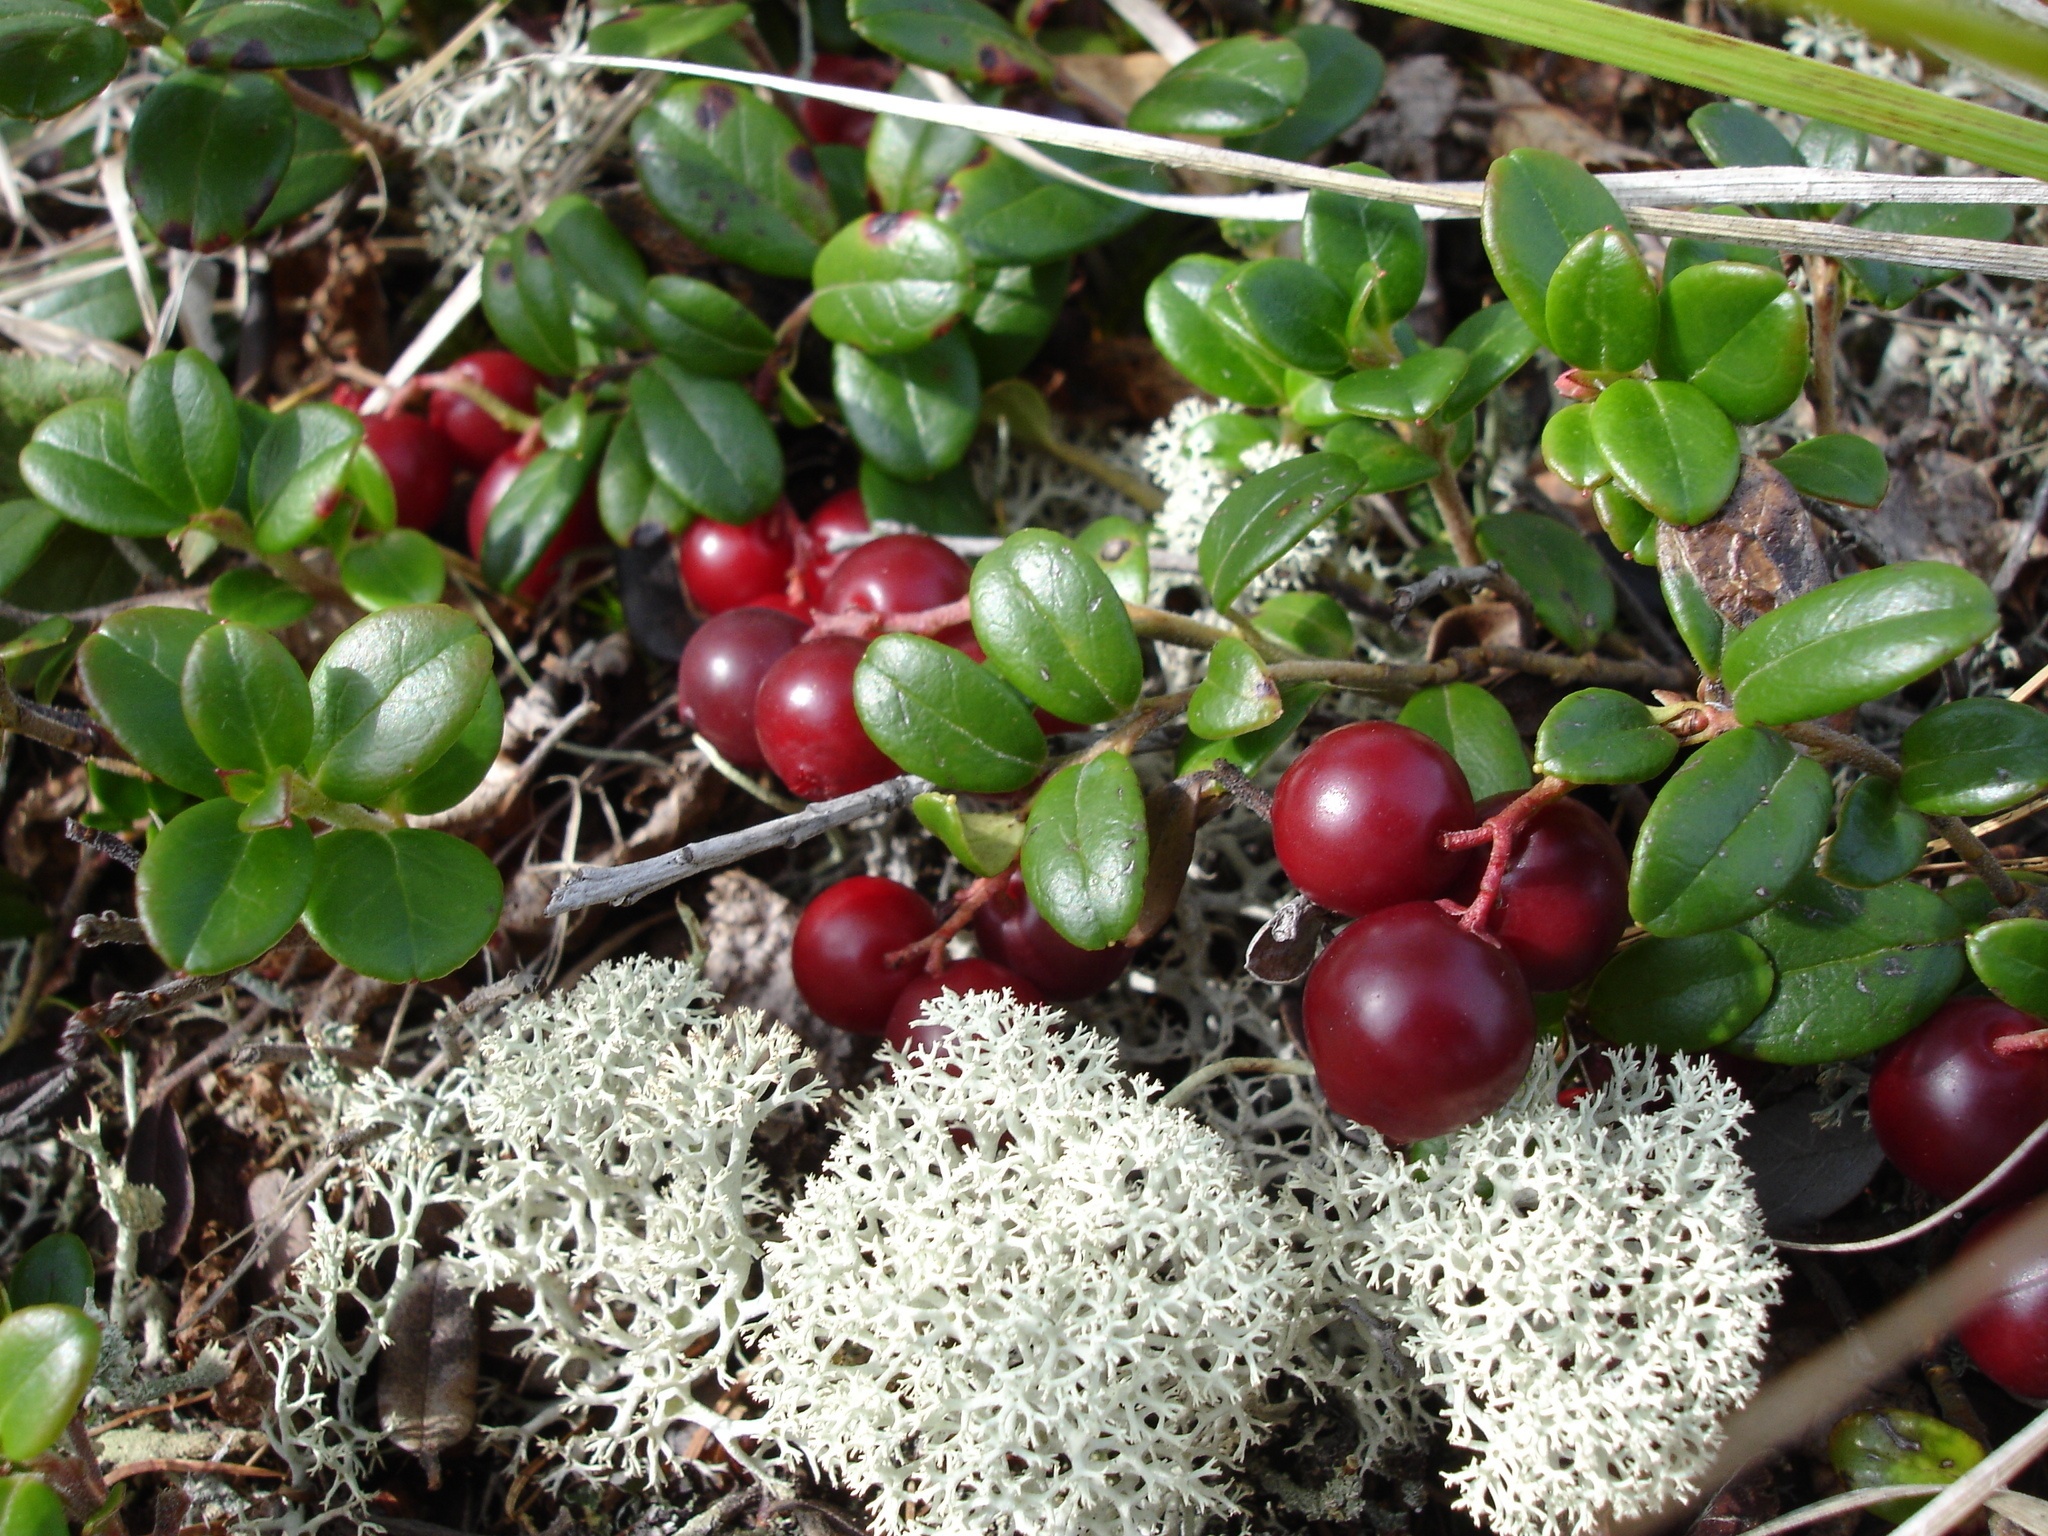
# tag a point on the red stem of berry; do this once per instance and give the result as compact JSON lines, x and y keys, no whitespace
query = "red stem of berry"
{"x":2014,"y":1045}
{"x":930,"y":950}
{"x":865,"y":626}
{"x":1498,"y":832}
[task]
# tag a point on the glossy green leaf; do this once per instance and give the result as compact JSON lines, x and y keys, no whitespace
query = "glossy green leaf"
{"x":1895,"y":1446}
{"x":213,"y":897}
{"x":278,"y":34}
{"x":1052,"y":625}
{"x":1408,"y":391}
{"x":1086,"y":851}
{"x":534,"y":510}
{"x":402,"y":566}
{"x":1877,"y":838}
{"x":1228,"y":435}
{"x":246,"y":700}
{"x":132,"y":670}
{"x":102,"y":306}
{"x":1190,"y":338}
{"x":1669,"y":446}
{"x":1740,"y":136}
{"x":1838,"y":466}
{"x":1727,"y":834}
{"x":1626,"y":521}
{"x":1240,"y":86}
{"x":941,"y":716}
{"x":391,"y":695}
{"x":297,"y":473}
{"x":1475,"y":728}
{"x":946,"y":503}
{"x":1287,"y":309}
{"x":527,"y":299}
{"x":914,"y":413}
{"x":1855,"y":640}
{"x":1496,"y":343}
{"x":54,"y":56}
{"x":960,"y":37}
{"x":890,"y":282}
{"x":1311,"y":623}
{"x":1308,"y":401}
{"x":1889,"y":284}
{"x":448,"y":781}
{"x":1684,"y":253}
{"x":41,"y":636}
{"x":1011,"y":312}
{"x":663,"y":31}
{"x":323,"y":162}
{"x":734,"y":174}
{"x":909,"y":160}
{"x":704,"y":328}
{"x":1235,"y":695}
{"x":1538,"y":205}
{"x":707,"y":441}
{"x":1344,"y":77}
{"x":1856,"y":969}
{"x":1119,"y":546}
{"x":1249,"y":752}
{"x":2011,"y":958}
{"x":1688,"y":994}
{"x":1600,"y":309}
{"x":1974,"y":757}
{"x":1599,"y":736}
{"x":1007,"y":214}
{"x":1341,"y":234}
{"x":207,"y":153}
{"x":584,"y":240}
{"x":408,"y":905}
{"x":985,"y":842}
{"x":183,"y":436}
{"x":1573,"y":454}
{"x":30,"y":1507}
{"x":58,"y":1270}
{"x":47,"y":1356}
{"x":1268,"y":515}
{"x":1737,"y":333}
{"x":1388,"y":463}
{"x":1567,"y":582}
{"x":1699,"y":625}
{"x":78,"y":463}
{"x":629,"y":492}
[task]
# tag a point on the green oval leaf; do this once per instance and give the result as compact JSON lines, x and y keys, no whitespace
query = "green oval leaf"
{"x":1311,"y":623}
{"x":298,"y":471}
{"x":1732,"y":135}
{"x":914,"y":413}
{"x":535,"y":508}
{"x":1727,"y":834}
{"x":1239,"y":86}
{"x":959,"y":37}
{"x":890,"y":282}
{"x":391,"y":695}
{"x":1567,"y":582}
{"x":1119,"y":546}
{"x":1476,"y":729}
{"x":527,"y":300}
{"x":1341,"y":235}
{"x":47,"y":1356}
{"x":409,"y":905}
{"x":213,"y":897}
{"x":1344,"y":77}
{"x":583,"y":239}
{"x":946,"y":503}
{"x":1856,"y":969}
{"x":1838,"y":466}
{"x":1268,"y":515}
{"x":1408,"y":391}
{"x":1008,"y":214}
{"x":54,"y":56}
{"x":1598,"y":736}
{"x":1287,"y":309}
{"x":207,"y":153}
{"x":662,"y":31}
{"x":1496,"y":343}
{"x":246,"y":699}
{"x":1737,"y":333}
{"x":942,"y":717}
{"x":1877,"y":839}
{"x":1537,"y":206}
{"x":183,"y":434}
{"x":704,"y":328}
{"x":1889,"y":284}
{"x":907,"y":159}
{"x":323,"y":162}
{"x":1896,"y":1446}
{"x":278,"y":34}
{"x":1209,"y":356}
{"x":30,"y":1507}
{"x":132,"y":672}
{"x":985,"y":842}
{"x":1626,"y":521}
{"x":56,"y":1271}
{"x":1668,"y":446}
{"x":78,"y":462}
{"x":1054,"y":627}
{"x":1695,"y":618}
{"x":707,"y":441}
{"x":1248,"y":753}
{"x":1855,"y":640}
{"x":1574,"y":456}
{"x":1012,"y":311}
{"x":1688,"y":994}
{"x":402,"y":566}
{"x":1600,"y":309}
{"x":1235,"y":694}
{"x":629,"y":493}
{"x":1974,"y":757}
{"x":1086,"y":851}
{"x":458,"y":771}
{"x":2011,"y":958}
{"x":1387,"y":463}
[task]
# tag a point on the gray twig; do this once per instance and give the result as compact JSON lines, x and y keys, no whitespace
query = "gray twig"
{"x":122,"y":853}
{"x":94,"y":928}
{"x":1464,"y":578}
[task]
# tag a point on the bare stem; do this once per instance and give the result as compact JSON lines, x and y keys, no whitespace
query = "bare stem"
{"x":1202,"y":1077}
{"x":1824,"y":279}
{"x":1449,"y":496}
{"x":1499,"y":832}
{"x":386,"y":143}
{"x":1475,"y":660}
{"x":930,"y":951}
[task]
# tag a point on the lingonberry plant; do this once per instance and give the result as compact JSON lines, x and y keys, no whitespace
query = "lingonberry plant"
{"x":49,"y":1349}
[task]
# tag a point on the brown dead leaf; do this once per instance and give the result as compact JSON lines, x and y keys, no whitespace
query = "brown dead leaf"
{"x":1758,"y":553}
{"x":1170,"y":829}
{"x":1287,"y":943}
{"x":1941,"y":506}
{"x":426,"y":1384}
{"x":1113,"y":82}
{"x":1130,"y":370}
{"x":1473,"y":624}
{"x":1527,"y":121}
{"x":158,"y":1156}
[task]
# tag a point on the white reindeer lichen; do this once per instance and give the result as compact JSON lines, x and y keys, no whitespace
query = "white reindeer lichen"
{"x":1584,"y":1286}
{"x":1022,"y":1297}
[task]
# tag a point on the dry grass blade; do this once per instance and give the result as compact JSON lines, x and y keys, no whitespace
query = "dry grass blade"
{"x":1966,"y":1495}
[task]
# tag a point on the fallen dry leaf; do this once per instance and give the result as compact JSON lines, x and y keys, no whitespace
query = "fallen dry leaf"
{"x":1758,"y":553}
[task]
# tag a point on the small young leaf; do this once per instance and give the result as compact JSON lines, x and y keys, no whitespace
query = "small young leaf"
{"x":707,"y":441}
{"x":1086,"y":851}
{"x":1574,"y":456}
{"x":1408,"y":391}
{"x":704,"y":328}
{"x":1737,"y":333}
{"x":78,"y":462}
{"x":213,"y":897}
{"x":2011,"y":958}
{"x":1601,"y":307}
{"x":408,"y":905}
{"x":47,"y":1356}
{"x":1248,"y":753}
{"x":54,"y":56}
{"x":1877,"y":839}
{"x":1475,"y":728}
{"x":1119,"y":546}
{"x":1388,"y":464}
{"x":183,"y":435}
{"x":1268,"y":515}
{"x":1054,"y":627}
{"x":1235,"y":695}
{"x":1196,"y":344}
{"x":57,"y":1270}
{"x":1312,"y":623}
{"x":960,"y":37}
{"x":1242,"y":85}
{"x":914,"y":413}
{"x":1341,"y":234}
{"x":985,"y":842}
{"x":402,"y":566}
{"x":1839,"y":466}
{"x":278,"y":34}
{"x":207,"y":153}
{"x":1496,"y":343}
{"x":391,"y":695}
{"x":1286,"y":309}
{"x":1598,"y":736}
{"x":939,"y":715}
{"x":448,"y":781}
{"x":1688,"y":994}
{"x":1538,"y":206}
{"x":132,"y":671}
{"x":890,"y":282}
{"x":1974,"y":757}
{"x":246,"y":699}
{"x":297,"y":473}
{"x":1669,"y":446}
{"x":1567,"y":583}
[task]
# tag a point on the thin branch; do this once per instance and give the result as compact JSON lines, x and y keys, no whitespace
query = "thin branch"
{"x":387,"y":144}
{"x":59,"y":728}
{"x":96,"y":928}
{"x":123,"y":853}
{"x":1476,"y":660}
{"x":1843,"y":1504}
{"x":1202,"y":1077}
{"x":180,"y":597}
{"x":1942,"y":1217}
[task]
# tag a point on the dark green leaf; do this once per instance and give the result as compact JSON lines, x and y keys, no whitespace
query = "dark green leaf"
{"x":1240,"y":86}
{"x":1118,"y":545}
{"x":1538,"y":206}
{"x":213,"y":897}
{"x":1737,"y":333}
{"x":1566,"y":581}
{"x":1311,"y":623}
{"x":252,"y":595}
{"x":30,"y":1507}
{"x":183,"y":435}
{"x":1344,"y":76}
{"x":391,"y":695}
{"x":629,"y":493}
{"x":707,"y":442}
{"x":402,"y":566}
{"x":1877,"y":840}
{"x":946,"y":503}
{"x":1388,"y":464}
{"x":1475,"y":728}
{"x":1287,"y":309}
{"x":54,"y":56}
{"x":1268,"y":515}
{"x":1699,"y":625}
{"x":208,"y":152}
{"x":1408,"y":391}
{"x":1249,"y":752}
{"x":1054,"y":627}
{"x":535,"y":508}
{"x":1856,"y":969}
{"x":298,"y":471}
{"x":131,"y":672}
{"x":323,"y":162}
{"x":1496,"y":343}
{"x":1235,"y":695}
{"x":528,"y":302}
{"x":662,"y":31}
{"x":1669,"y":446}
{"x":47,"y":1356}
{"x":1889,"y":284}
{"x":908,"y":160}
{"x":890,"y":282}
{"x":1575,"y":458}
{"x":409,"y":905}
{"x":1598,"y":736}
{"x":985,"y":842}
{"x":1740,"y":136}
{"x":1727,"y":834}
{"x":1085,"y":851}
{"x":1601,"y":306}
{"x":580,"y":236}
{"x":1688,"y":994}
{"x":914,"y":414}
{"x":78,"y":462}
{"x":2011,"y":958}
{"x":278,"y":34}
{"x":960,"y":37}
{"x":455,"y":773}
{"x":1855,"y":640}
{"x":1839,"y":466}
{"x":939,"y":715}
{"x":245,"y":699}
{"x":1974,"y":757}
{"x":1012,"y":312}
{"x":1205,"y":353}
{"x":1684,"y":253}
{"x":1341,"y":234}
{"x":57,"y":1271}
{"x":705,"y":328}
{"x":1007,"y":214}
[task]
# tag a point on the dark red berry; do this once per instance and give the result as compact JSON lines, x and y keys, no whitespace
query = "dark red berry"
{"x":827,"y":122}
{"x":417,"y":461}
{"x":1013,"y":933}
{"x":470,"y":429}
{"x":349,"y":397}
{"x":898,"y":573}
{"x":840,"y":944}
{"x":1564,"y":900}
{"x":728,"y":565}
{"x":2008,"y":1335}
{"x":721,"y":673}
{"x":906,"y":1029}
{"x":1415,"y":1026}
{"x":580,"y":528}
{"x":805,"y":722}
{"x":1948,"y":1109}
{"x":844,"y":513}
{"x":1357,"y":818}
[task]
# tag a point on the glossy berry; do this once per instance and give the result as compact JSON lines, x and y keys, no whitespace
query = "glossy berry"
{"x":1415,"y":1026}
{"x":417,"y":461}
{"x":843,"y":513}
{"x":728,"y":565}
{"x":1948,"y":1109}
{"x":1013,"y":933}
{"x":840,"y":944}
{"x":827,"y":122}
{"x":1564,"y":900}
{"x":580,"y":528}
{"x":721,"y":672}
{"x":1357,"y":817}
{"x":898,"y":573}
{"x":475,"y":436}
{"x":805,"y":722}
{"x":2008,"y":1335}
{"x":906,"y":1028}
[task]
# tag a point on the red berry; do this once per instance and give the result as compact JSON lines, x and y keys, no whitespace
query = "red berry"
{"x":721,"y":672}
{"x":898,"y":573}
{"x":840,"y":943}
{"x":805,"y":722}
{"x":2008,"y":1335}
{"x":728,"y":565}
{"x":844,"y":513}
{"x":418,"y":462}
{"x":475,"y":436}
{"x":1357,"y":818}
{"x":1415,"y":1026}
{"x":906,"y":1028}
{"x":1564,"y":900}
{"x":827,"y":122}
{"x":580,"y":528}
{"x":1948,"y":1109}
{"x":349,"y":397}
{"x":1014,"y":933}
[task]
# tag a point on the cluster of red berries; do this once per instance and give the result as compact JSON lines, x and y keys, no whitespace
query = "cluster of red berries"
{"x":849,"y":962}
{"x":1415,"y":1022}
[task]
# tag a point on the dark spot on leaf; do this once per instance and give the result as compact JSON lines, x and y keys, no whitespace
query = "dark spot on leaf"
{"x":175,"y":233}
{"x":1000,"y":68}
{"x":880,"y":228}
{"x":714,"y":106}
{"x":502,"y":272}
{"x":804,"y":165}
{"x":253,"y":54}
{"x":535,"y":246}
{"x":200,"y":51}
